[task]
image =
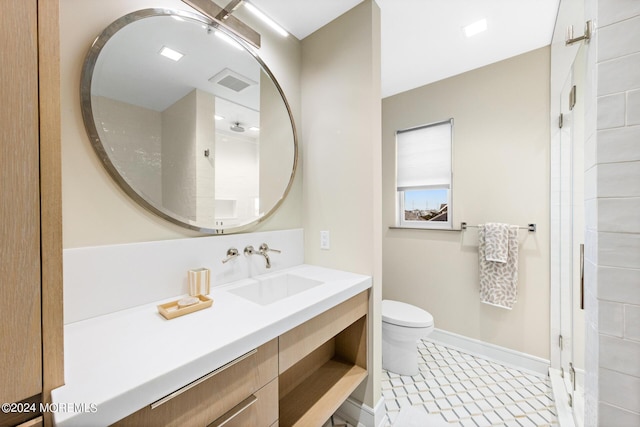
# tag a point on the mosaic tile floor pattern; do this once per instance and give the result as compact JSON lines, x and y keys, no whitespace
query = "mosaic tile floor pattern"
{"x":469,"y":391}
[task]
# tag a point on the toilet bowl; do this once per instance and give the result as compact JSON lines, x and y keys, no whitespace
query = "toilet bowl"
{"x":402,"y":325}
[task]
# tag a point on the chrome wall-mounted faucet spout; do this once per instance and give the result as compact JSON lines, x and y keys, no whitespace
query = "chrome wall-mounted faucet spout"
{"x":262,"y":250}
{"x":250,"y":250}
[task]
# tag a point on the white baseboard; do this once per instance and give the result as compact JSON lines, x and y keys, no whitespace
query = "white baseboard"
{"x":515,"y":359}
{"x":361,"y":415}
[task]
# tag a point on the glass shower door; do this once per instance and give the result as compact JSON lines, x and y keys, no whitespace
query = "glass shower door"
{"x":572,"y":237}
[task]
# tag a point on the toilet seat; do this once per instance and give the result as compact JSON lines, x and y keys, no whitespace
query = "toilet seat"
{"x":402,"y":314}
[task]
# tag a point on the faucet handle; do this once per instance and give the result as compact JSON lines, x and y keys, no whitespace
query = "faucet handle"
{"x":231,"y":253}
{"x":265,"y":248}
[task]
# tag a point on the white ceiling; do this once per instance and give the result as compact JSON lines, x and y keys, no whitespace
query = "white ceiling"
{"x":422,"y":40}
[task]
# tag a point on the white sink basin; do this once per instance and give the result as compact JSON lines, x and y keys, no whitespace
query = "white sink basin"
{"x":268,"y":290}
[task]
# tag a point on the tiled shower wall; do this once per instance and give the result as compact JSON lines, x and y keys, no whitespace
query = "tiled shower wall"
{"x":612,"y":193}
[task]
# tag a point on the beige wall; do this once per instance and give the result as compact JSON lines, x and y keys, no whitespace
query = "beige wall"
{"x":275,"y":145}
{"x":500,"y":174}
{"x":95,"y":210}
{"x":341,"y":157}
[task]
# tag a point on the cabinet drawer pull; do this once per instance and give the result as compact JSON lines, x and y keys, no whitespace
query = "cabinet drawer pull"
{"x":234,"y":412}
{"x":200,"y":380}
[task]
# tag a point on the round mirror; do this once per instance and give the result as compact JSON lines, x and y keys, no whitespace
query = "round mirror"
{"x":188,"y":120}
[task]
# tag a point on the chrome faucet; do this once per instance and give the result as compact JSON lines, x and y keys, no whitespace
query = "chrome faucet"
{"x":262,"y":250}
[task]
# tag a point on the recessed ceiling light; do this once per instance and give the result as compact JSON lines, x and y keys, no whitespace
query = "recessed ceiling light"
{"x":254,"y":128}
{"x":475,"y":28}
{"x":266,"y":19}
{"x":217,"y":117}
{"x":170,"y":53}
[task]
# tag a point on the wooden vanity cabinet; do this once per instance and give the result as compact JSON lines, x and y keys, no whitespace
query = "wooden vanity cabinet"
{"x":243,"y":392}
{"x":321,"y":362}
{"x":30,"y":210}
{"x":298,"y":379}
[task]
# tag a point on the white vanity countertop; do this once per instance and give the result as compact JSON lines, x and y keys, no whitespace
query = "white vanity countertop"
{"x":118,"y":363}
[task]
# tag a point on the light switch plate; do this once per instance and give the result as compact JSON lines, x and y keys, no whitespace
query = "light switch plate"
{"x":324,"y":240}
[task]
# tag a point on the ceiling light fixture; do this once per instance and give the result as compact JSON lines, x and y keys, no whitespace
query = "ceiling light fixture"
{"x":217,"y":117}
{"x":254,"y":128}
{"x":228,"y":10}
{"x":266,"y":19}
{"x":475,"y":28}
{"x":236,"y":127}
{"x":170,"y":53}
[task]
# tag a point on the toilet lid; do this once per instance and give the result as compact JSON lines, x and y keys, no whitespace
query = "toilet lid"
{"x":401,"y":314}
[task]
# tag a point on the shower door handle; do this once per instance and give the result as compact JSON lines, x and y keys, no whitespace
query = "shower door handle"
{"x":572,"y":375}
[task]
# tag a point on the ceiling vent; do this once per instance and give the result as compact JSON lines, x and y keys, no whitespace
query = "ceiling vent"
{"x":232,"y":80}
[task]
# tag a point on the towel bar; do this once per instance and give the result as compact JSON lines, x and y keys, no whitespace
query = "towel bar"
{"x":530,"y":227}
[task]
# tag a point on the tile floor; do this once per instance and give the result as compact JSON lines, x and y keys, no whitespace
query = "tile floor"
{"x":470,"y":391}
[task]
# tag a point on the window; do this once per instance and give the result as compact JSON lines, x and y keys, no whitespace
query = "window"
{"x":423,"y":180}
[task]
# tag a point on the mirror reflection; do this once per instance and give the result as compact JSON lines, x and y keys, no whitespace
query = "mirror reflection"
{"x":188,"y":120}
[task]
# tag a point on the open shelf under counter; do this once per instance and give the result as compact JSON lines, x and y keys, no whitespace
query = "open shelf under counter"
{"x":320,"y":395}
{"x":322,"y":362}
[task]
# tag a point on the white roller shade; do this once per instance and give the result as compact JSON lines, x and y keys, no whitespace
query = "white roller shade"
{"x":424,"y":157}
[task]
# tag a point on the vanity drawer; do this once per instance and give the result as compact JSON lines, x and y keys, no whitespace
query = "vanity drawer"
{"x":259,"y":409}
{"x":221,"y":393}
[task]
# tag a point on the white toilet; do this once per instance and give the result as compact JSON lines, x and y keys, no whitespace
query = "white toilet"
{"x":402,"y":325}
